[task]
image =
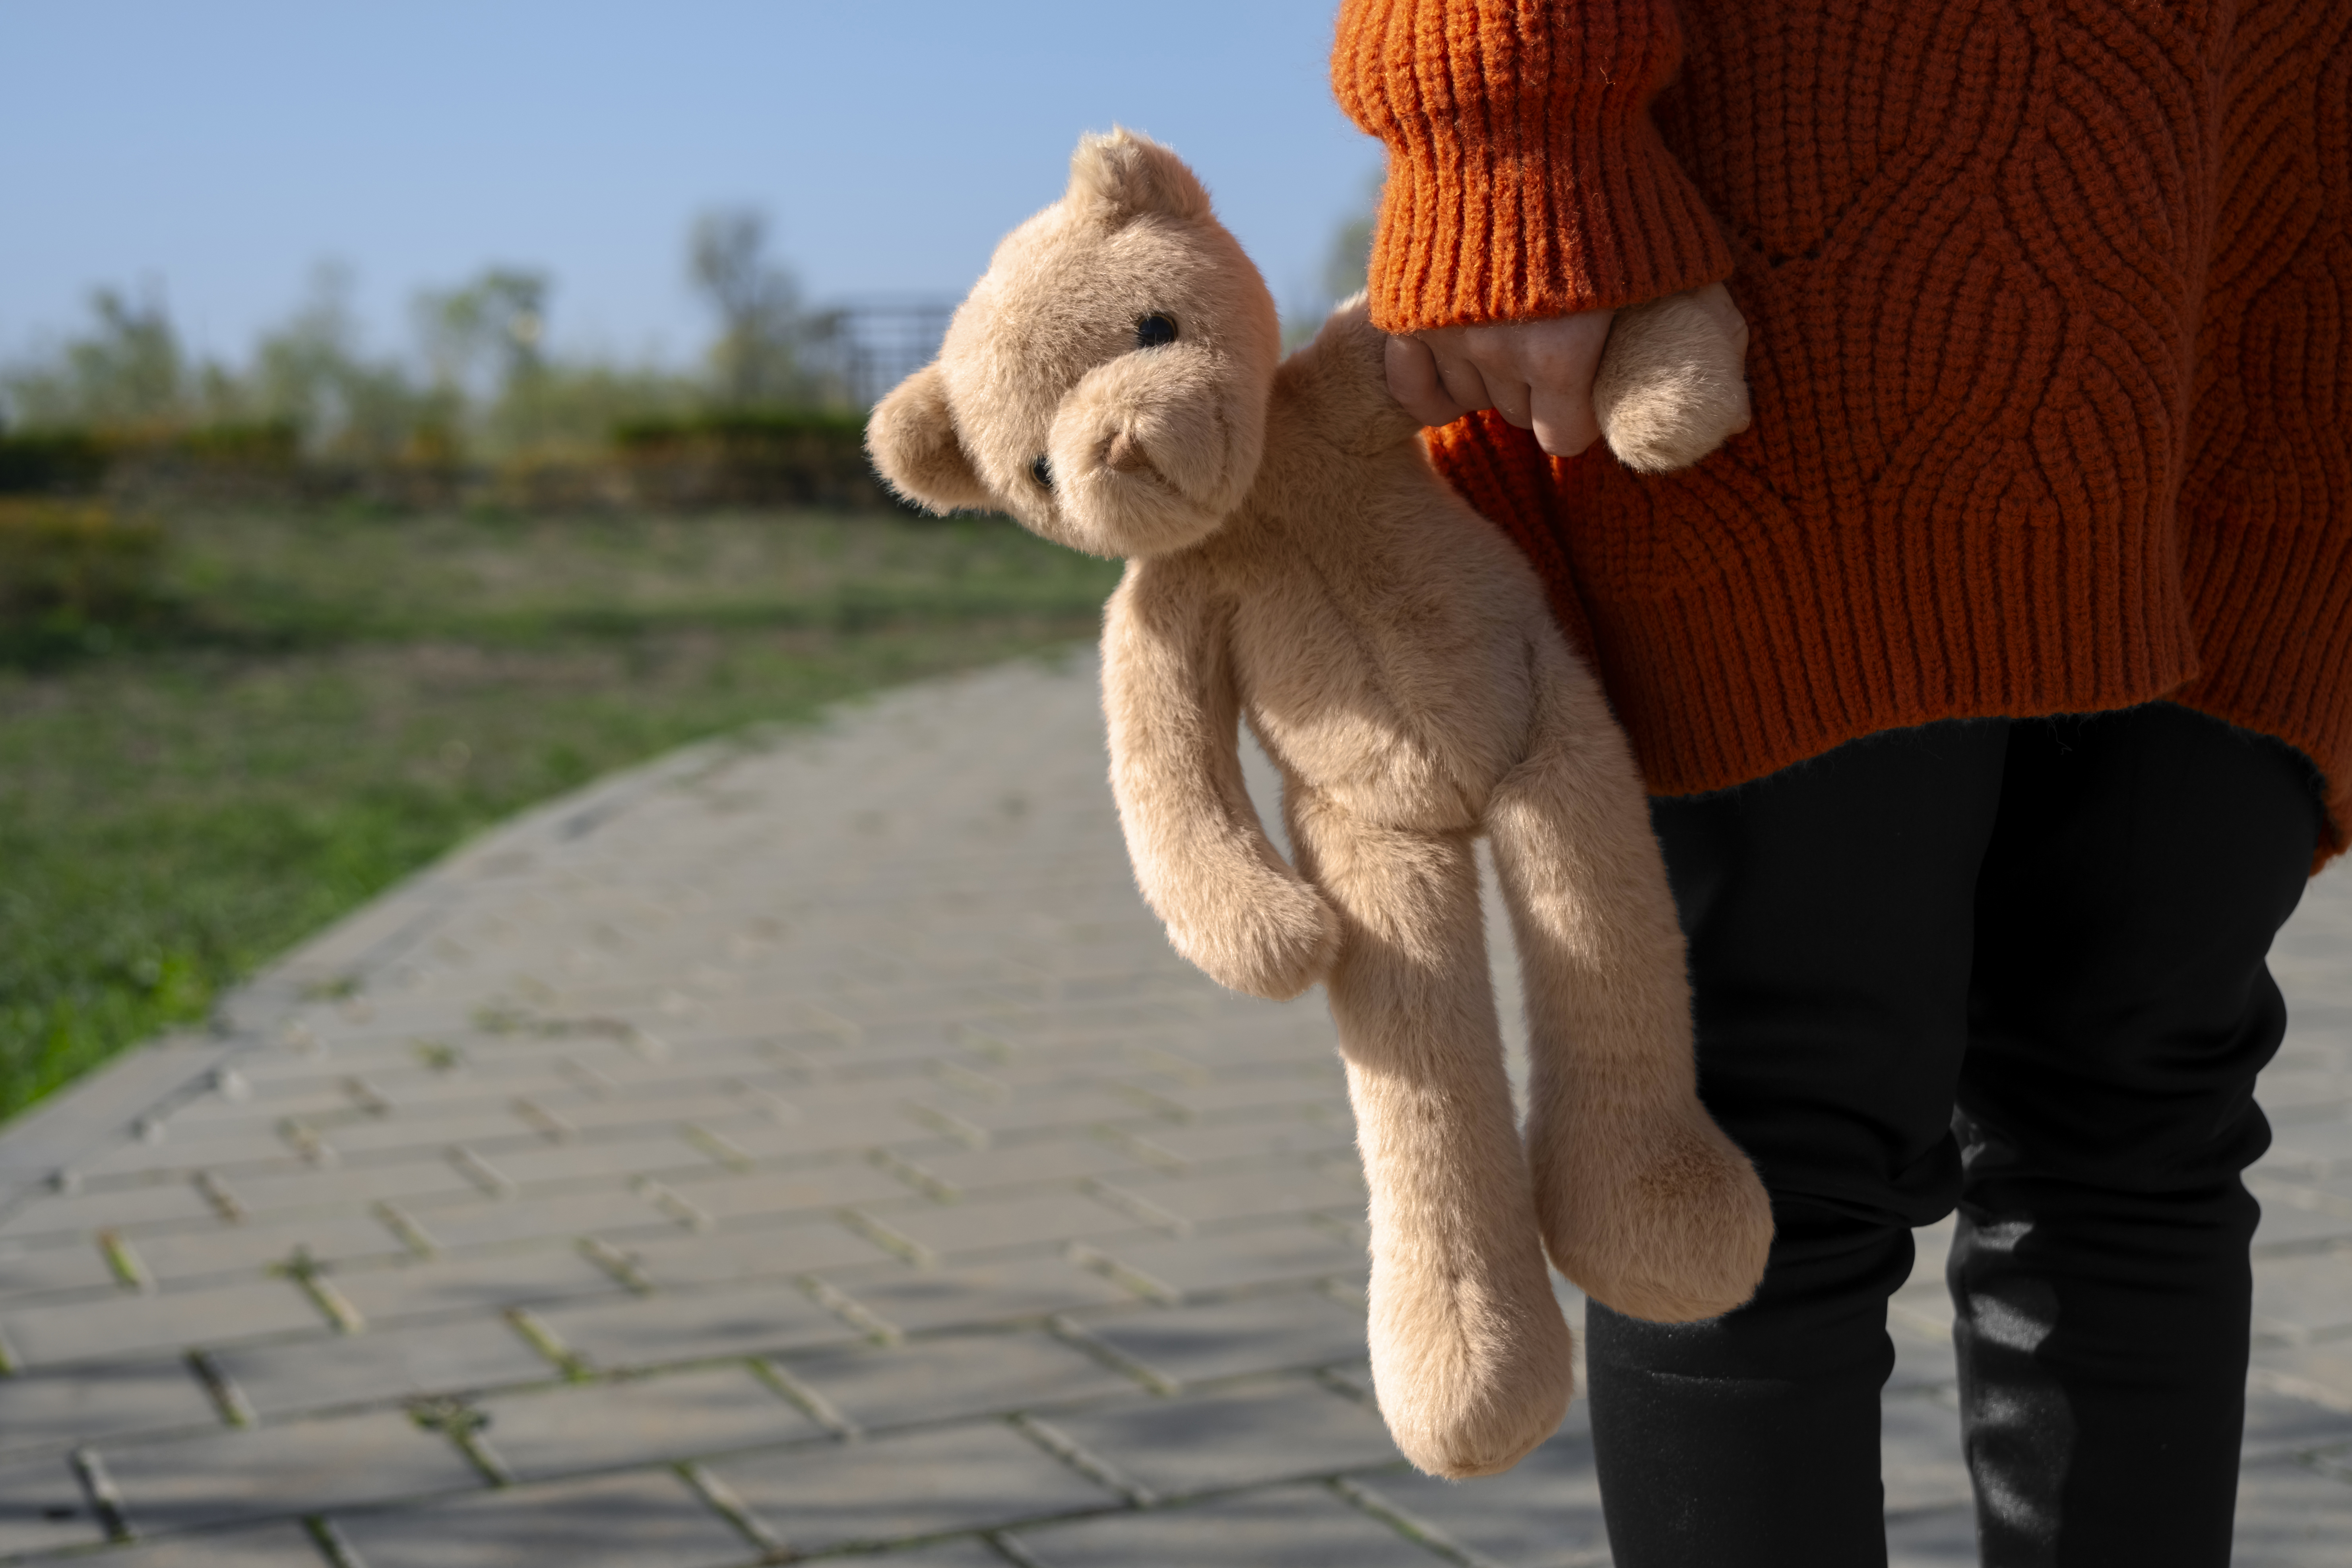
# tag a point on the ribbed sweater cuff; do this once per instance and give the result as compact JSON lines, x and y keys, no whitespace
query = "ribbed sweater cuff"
{"x":1525,"y":178}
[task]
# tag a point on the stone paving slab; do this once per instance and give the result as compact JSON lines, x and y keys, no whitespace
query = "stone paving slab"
{"x":1192,"y":1443}
{"x":300,"y":1468}
{"x":887,"y":1491}
{"x":1288,"y":1527}
{"x":270,"y":1546}
{"x":1544,"y":1513}
{"x":380,"y":1366}
{"x":807,"y":1144}
{"x":664,"y":1328}
{"x":805,"y":1243}
{"x":55,"y":1411}
{"x":950,"y":1377}
{"x":649,"y":1519}
{"x":438,"y":1286}
{"x":119,"y":1324}
{"x":1175,"y":1347}
{"x":639,"y":1421}
{"x":42,"y":1505}
{"x":894,"y":1301}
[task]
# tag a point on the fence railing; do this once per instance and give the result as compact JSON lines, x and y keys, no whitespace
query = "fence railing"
{"x":872,"y":343}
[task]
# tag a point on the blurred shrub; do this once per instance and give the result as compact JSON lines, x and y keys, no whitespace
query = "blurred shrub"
{"x":778,"y":458}
{"x":50,"y":461}
{"x":566,"y":409}
{"x":227,"y":460}
{"x":231,"y":461}
{"x":754,"y":430}
{"x":684,"y":462}
{"x":252,"y":444}
{"x":67,"y":567}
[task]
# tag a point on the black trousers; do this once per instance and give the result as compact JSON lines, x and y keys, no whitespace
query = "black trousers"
{"x":2015,"y":966}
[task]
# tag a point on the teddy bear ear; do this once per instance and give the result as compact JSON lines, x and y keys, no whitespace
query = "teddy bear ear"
{"x":911,"y":437}
{"x":1124,"y":175}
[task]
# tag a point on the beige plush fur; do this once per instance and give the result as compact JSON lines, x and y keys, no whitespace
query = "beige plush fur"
{"x":1295,"y":561}
{"x":1671,"y":386}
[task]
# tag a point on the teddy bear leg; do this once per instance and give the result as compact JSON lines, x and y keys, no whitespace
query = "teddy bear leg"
{"x":1471,"y":1359}
{"x":1642,"y":1200}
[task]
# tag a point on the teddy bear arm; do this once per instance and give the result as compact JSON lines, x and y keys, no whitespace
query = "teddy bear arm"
{"x":1233,"y":906}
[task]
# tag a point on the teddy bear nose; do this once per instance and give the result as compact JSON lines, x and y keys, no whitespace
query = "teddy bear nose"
{"x":1125,"y":455}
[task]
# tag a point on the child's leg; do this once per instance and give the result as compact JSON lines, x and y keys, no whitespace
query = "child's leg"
{"x":2141,"y":864}
{"x":1829,"y":913}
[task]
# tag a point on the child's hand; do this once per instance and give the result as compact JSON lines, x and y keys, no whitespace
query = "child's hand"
{"x":1537,"y":374}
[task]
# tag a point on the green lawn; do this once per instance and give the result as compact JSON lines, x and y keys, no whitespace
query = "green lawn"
{"x":331,"y":700}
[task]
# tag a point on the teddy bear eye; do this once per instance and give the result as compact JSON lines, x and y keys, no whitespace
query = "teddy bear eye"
{"x":1154,"y":330}
{"x":1042,"y":472}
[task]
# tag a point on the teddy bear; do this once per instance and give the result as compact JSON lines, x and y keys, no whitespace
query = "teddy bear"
{"x":1115,"y":383}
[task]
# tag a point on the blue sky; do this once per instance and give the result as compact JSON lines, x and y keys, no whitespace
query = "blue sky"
{"x":221,"y":150}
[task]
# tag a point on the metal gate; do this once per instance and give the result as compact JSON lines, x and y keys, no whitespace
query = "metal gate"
{"x":873,"y":344}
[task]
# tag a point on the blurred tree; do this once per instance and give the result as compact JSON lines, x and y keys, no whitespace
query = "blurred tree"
{"x":484,"y":338}
{"x":483,"y":383}
{"x":1346,"y":261}
{"x":311,"y":371}
{"x":1350,"y":259}
{"x":569,"y":408}
{"x":757,"y":358}
{"x":128,"y":370}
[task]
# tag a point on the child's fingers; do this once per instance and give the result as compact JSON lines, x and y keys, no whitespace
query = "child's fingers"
{"x":1506,"y":394}
{"x":1464,"y":377}
{"x":1415,"y":382}
{"x":1483,"y":362}
{"x":1537,"y":374}
{"x":1563,"y":422}
{"x":1559,"y":353}
{"x":1559,"y":356}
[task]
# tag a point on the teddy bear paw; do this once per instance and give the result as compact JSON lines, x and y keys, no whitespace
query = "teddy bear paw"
{"x":1279,"y":946}
{"x":1468,"y":1378}
{"x":1673,"y":1229}
{"x":1671,"y":388}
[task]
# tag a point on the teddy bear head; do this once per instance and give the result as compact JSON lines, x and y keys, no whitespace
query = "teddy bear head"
{"x":1106,"y":381}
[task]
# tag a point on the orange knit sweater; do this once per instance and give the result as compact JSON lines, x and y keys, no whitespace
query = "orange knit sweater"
{"x":2051,"y":364}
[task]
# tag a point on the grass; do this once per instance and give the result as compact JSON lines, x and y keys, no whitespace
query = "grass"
{"x":328,"y":701}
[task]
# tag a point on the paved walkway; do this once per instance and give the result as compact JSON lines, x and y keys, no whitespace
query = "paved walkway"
{"x":807,"y":1146}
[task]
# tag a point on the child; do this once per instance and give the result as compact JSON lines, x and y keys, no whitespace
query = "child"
{"x":1995,"y":687}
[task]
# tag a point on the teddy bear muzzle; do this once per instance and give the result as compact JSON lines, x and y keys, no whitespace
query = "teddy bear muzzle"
{"x":1147,"y":457}
{"x":1125,"y":455}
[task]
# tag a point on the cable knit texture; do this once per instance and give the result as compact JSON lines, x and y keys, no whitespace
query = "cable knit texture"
{"x":2053,"y":356}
